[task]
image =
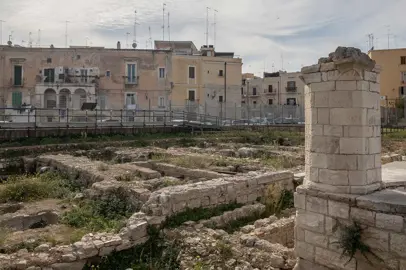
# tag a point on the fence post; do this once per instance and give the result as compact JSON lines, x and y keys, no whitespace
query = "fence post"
{"x":67,"y":118}
{"x":144,"y":118}
{"x":121,"y":117}
{"x":95,"y":122}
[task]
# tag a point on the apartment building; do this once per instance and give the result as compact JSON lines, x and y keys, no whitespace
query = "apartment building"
{"x":67,"y":78}
{"x":204,"y":81}
{"x":393,"y":74}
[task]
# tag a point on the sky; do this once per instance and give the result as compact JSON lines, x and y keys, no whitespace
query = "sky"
{"x":269,"y":35}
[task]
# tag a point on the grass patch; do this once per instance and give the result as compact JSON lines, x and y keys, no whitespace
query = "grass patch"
{"x":194,"y":162}
{"x":276,"y":199}
{"x":199,"y":214}
{"x":32,"y":188}
{"x":102,"y":167}
{"x":280,"y":162}
{"x":107,"y":214}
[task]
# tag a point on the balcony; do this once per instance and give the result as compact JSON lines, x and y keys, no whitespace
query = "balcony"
{"x":253,"y":95}
{"x":272,"y":93}
{"x":291,"y":89}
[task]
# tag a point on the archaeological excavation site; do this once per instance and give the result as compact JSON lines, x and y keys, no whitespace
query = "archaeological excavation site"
{"x":331,"y":197}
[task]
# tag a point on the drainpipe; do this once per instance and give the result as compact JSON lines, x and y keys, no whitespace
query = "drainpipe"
{"x":225,"y":90}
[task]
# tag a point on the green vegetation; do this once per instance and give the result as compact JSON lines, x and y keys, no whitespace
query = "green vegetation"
{"x":107,"y":214}
{"x":280,"y":162}
{"x":199,"y":214}
{"x":156,"y":254}
{"x":32,"y":188}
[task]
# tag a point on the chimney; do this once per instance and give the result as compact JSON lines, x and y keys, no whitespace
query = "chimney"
{"x":118,"y":45}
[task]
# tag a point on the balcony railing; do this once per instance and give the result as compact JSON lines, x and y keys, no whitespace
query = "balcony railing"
{"x":291,"y":89}
{"x":270,"y":93}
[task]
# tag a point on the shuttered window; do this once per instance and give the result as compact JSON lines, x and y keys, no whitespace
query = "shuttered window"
{"x":18,"y":75}
{"x":17,"y":99}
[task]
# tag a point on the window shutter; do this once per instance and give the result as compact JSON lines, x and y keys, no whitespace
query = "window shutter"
{"x":17,"y":98}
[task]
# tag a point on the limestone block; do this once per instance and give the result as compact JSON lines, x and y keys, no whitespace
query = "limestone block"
{"x":330,"y":130}
{"x":365,"y":217}
{"x":333,"y":75}
{"x":340,"y":99}
{"x":324,"y":144}
{"x":373,"y":176}
{"x":389,"y":222}
{"x":365,"y":162}
{"x":68,"y":266}
{"x":338,"y":209}
{"x":333,"y":177}
{"x":376,"y":239}
{"x":306,"y":265}
{"x":374,"y":117}
{"x":312,"y":174}
{"x":316,"y":130}
{"x":353,"y":146}
{"x":370,"y":76}
{"x":125,"y":245}
{"x":398,"y":244}
{"x":299,"y":233}
{"x":317,"y":160}
{"x":310,"y":221}
{"x":363,"y":85}
{"x":316,"y":239}
{"x":323,"y":116}
{"x":138,"y":230}
{"x":350,"y":75}
{"x":323,"y":86}
{"x":311,"y":116}
{"x":374,"y":145}
{"x":331,"y":225}
{"x":346,"y":85}
{"x":321,"y":99}
{"x":358,"y":131}
{"x":365,"y":189}
{"x":341,"y":162}
{"x":364,"y":99}
{"x":316,"y":205}
{"x":304,"y":250}
{"x":348,"y":116}
{"x":310,"y":69}
{"x":327,"y":67}
{"x":377,"y":131}
{"x":357,"y":178}
{"x":375,"y":87}
{"x":312,"y":78}
{"x":106,"y":250}
{"x":300,"y":200}
{"x":333,"y":259}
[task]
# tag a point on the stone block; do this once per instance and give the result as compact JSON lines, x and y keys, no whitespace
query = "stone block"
{"x":340,"y":162}
{"x":303,"y":264}
{"x":323,"y":86}
{"x":300,"y":201}
{"x":69,"y":266}
{"x":331,"y":225}
{"x":350,"y":75}
{"x":363,"y":85}
{"x":389,"y":222}
{"x":353,"y":146}
{"x":304,"y":250}
{"x":357,"y":178}
{"x":376,"y":239}
{"x":373,"y":176}
{"x":317,"y":160}
{"x":373,"y":117}
{"x":316,"y":130}
{"x":299,"y":234}
{"x":321,"y":99}
{"x":309,"y":100}
{"x":374,"y":87}
{"x":333,"y":75}
{"x":311,"y":116}
{"x":374,"y":145}
{"x":310,"y":221}
{"x":316,"y":205}
{"x":346,"y":85}
{"x":348,"y":116}
{"x":333,"y":259}
{"x":333,"y":177}
{"x":316,"y":239}
{"x":138,"y":230}
{"x":323,"y":116}
{"x":365,"y":189}
{"x":310,"y":69}
{"x":330,"y":130}
{"x":365,"y":99}
{"x":365,"y":162}
{"x":370,"y":76}
{"x":327,"y":67}
{"x":324,"y":144}
{"x":398,"y":244}
{"x":338,"y":209}
{"x":312,"y":78}
{"x":312,"y":174}
{"x":340,"y":99}
{"x":365,"y":217}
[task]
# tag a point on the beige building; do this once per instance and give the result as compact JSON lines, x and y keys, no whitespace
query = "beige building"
{"x":393,"y":74}
{"x":66,"y":78}
{"x":200,"y":78}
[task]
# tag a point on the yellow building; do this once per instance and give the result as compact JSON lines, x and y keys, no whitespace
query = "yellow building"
{"x":200,"y":77}
{"x":393,"y":74}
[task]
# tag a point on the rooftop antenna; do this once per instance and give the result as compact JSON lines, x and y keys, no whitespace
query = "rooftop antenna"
{"x":10,"y":37}
{"x":389,"y":34}
{"x":1,"y":31}
{"x":282,"y":60}
{"x":29,"y":40}
{"x":207,"y":26}
{"x":126,"y":38}
{"x":150,"y":36}
{"x":135,"y":30}
{"x":66,"y":33}
{"x":87,"y":39}
{"x":163,"y":21}
{"x":215,"y":25}
{"x":39,"y":38}
{"x":169,"y":29}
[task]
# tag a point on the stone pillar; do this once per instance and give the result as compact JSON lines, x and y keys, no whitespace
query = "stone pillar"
{"x":343,"y":133}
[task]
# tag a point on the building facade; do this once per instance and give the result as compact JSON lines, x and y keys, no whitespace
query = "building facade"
{"x":204,"y":81}
{"x":63,"y":79}
{"x":393,"y":74}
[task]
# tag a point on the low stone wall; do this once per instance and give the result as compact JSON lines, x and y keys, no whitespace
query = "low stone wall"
{"x":241,"y":189}
{"x":321,"y":217}
{"x":27,"y":221}
{"x":176,"y":171}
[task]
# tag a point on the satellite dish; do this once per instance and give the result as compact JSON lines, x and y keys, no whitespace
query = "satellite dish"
{"x":134,"y":45}
{"x":9,"y":43}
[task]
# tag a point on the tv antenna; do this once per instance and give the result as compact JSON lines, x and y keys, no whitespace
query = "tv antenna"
{"x":163,"y":21}
{"x":1,"y":31}
{"x":215,"y":25}
{"x":135,"y":30}
{"x":30,"y":39}
{"x":126,"y":39}
{"x":207,"y":26}
{"x":169,"y":29}
{"x":39,"y":38}
{"x":370,"y":41}
{"x":66,"y":33}
{"x":389,"y":34}
{"x":150,"y":37}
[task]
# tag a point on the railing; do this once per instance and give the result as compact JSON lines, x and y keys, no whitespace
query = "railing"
{"x":291,"y":88}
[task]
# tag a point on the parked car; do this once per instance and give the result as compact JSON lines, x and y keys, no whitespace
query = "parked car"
{"x":241,"y":122}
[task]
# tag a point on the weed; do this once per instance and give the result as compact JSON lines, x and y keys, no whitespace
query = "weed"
{"x":199,"y":214}
{"x":279,"y":162}
{"x":4,"y":233}
{"x":225,"y":250}
{"x":168,"y":182}
{"x":276,"y":199}
{"x":235,"y":225}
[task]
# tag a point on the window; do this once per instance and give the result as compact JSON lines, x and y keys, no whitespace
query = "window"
{"x":403,"y":60}
{"x":78,"y":57}
{"x":191,"y":95}
{"x":221,"y":73}
{"x":192,"y":73}
{"x":242,"y":101}
{"x":16,"y":99}
{"x":83,"y":75}
{"x":18,"y":75}
{"x":131,"y":73}
{"x":220,"y":98}
{"x":161,"y":73}
{"x":403,"y":77}
{"x":254,"y":103}
{"x":130,"y":99}
{"x":270,"y":89}
{"x":291,"y":86}
{"x":108,"y":73}
{"x":49,"y":60}
{"x":161,"y":102}
{"x":49,"y":74}
{"x":242,"y":90}
{"x":270,"y":101}
{"x":291,"y":101}
{"x":401,"y":90}
{"x":254,"y":91}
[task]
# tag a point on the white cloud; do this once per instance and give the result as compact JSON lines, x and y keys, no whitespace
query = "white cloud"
{"x":258,"y":30}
